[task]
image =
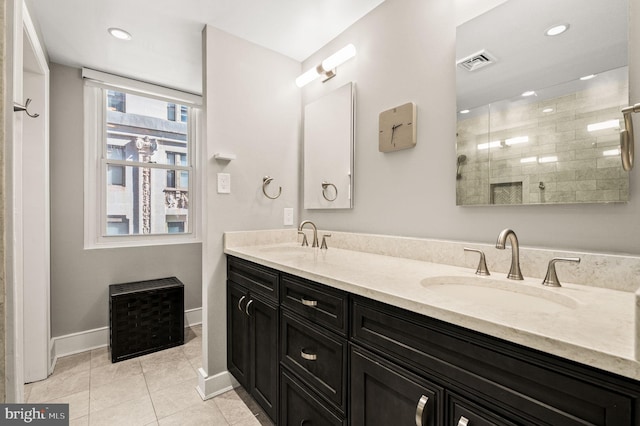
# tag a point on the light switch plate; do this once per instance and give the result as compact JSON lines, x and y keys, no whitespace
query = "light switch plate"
{"x":288,"y":216}
{"x":224,"y":183}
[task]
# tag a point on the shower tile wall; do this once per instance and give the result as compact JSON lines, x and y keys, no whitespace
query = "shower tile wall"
{"x":581,"y":172}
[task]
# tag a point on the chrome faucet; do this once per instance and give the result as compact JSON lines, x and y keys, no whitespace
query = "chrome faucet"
{"x":315,"y":233}
{"x":514,"y":272}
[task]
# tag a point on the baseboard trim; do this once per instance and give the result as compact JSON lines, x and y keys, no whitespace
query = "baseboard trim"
{"x":87,"y":340}
{"x":211,"y":386}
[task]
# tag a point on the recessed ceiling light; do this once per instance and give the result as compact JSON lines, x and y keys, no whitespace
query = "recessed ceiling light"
{"x":529,"y":93}
{"x":120,"y":34}
{"x":587,"y":77}
{"x":557,"y":30}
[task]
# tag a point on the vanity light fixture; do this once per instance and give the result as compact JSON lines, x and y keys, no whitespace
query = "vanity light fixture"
{"x":119,"y":33}
{"x":528,"y":93}
{"x":327,"y":68}
{"x":556,"y":30}
{"x":588,"y":77}
{"x":603,"y":125}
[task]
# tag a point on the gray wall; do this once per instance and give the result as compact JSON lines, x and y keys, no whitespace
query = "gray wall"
{"x":253,"y":111}
{"x":406,"y":52}
{"x":80,"y":278}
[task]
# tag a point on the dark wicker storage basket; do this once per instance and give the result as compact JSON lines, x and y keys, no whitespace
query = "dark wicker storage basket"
{"x":145,"y":317}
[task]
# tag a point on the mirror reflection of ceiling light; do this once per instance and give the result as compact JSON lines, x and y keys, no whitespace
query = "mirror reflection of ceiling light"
{"x":494,"y":144}
{"x":528,"y":93}
{"x":529,"y":160}
{"x":119,"y":33}
{"x":550,"y":159}
{"x":547,"y":110}
{"x":611,"y":152}
{"x":557,"y":30}
{"x":464,"y":111}
{"x":517,"y":140}
{"x":603,"y":125}
{"x":327,"y":67}
{"x":588,"y":77}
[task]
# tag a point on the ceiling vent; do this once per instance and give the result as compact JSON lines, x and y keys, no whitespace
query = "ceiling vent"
{"x":476,"y":61}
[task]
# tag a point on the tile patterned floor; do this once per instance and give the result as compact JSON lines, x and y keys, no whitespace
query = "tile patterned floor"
{"x":155,"y":389}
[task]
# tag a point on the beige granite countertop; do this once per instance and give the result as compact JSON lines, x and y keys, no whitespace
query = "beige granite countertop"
{"x":590,"y":325}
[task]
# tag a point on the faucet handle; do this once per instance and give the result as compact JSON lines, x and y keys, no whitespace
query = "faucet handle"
{"x":305,"y":243}
{"x":324,"y":241}
{"x":482,"y":264}
{"x":551,"y":279}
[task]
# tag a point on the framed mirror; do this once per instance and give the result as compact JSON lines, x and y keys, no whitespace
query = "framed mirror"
{"x":539,"y":115}
{"x":328,"y":150}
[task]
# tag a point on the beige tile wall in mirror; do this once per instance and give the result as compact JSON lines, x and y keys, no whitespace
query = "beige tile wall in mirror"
{"x":560,"y":144}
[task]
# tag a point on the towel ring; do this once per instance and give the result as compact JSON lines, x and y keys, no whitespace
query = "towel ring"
{"x":626,"y":137}
{"x":324,"y":188}
{"x":266,"y":181}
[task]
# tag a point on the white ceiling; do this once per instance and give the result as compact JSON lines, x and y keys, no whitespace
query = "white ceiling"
{"x":166,"y":44}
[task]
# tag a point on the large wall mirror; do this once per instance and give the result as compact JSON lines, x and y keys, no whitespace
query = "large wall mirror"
{"x":328,"y":150}
{"x":539,"y":115}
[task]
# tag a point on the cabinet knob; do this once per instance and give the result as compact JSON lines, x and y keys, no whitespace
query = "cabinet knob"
{"x":306,"y":302}
{"x":246,"y":308}
{"x":308,"y":355}
{"x":240,"y":302}
{"x":420,"y":410}
{"x":463,"y":421}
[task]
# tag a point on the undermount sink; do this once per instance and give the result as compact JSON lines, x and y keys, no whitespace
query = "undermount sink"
{"x":487,"y":292}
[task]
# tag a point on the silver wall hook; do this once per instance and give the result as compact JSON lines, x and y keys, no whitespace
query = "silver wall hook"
{"x":21,"y":108}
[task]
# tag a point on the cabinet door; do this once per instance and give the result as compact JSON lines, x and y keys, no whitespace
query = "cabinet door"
{"x":383,"y":394}
{"x":263,"y":341}
{"x":238,"y":333}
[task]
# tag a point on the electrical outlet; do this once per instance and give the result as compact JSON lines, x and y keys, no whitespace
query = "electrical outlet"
{"x":224,"y":183}
{"x":288,"y":216}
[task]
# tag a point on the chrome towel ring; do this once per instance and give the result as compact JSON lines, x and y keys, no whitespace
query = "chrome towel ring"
{"x":626,"y":137}
{"x":325,"y":185}
{"x":266,"y":181}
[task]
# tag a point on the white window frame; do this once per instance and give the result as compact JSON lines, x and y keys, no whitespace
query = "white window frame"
{"x":95,"y":163}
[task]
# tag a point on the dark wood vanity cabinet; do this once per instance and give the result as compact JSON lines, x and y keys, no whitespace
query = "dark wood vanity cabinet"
{"x":313,"y":351}
{"x":341,"y":359}
{"x":252,"y":331}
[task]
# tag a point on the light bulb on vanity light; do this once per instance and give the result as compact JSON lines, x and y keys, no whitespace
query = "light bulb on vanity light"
{"x":327,"y":67}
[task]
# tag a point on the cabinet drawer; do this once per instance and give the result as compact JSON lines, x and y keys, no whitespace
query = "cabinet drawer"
{"x":255,"y":277}
{"x":320,"y":304}
{"x":514,"y":379}
{"x":464,"y":413}
{"x":299,"y":406}
{"x":317,"y":356}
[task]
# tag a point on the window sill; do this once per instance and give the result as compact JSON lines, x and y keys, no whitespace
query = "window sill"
{"x":145,"y":241}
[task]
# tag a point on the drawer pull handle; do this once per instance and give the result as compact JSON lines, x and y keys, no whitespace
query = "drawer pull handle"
{"x":246,"y":308}
{"x":308,"y":355}
{"x":312,"y":303}
{"x":240,"y":302}
{"x":463,"y":421}
{"x":420,"y":410}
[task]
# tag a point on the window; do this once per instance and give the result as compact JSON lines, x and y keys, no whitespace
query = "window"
{"x":140,"y":163}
